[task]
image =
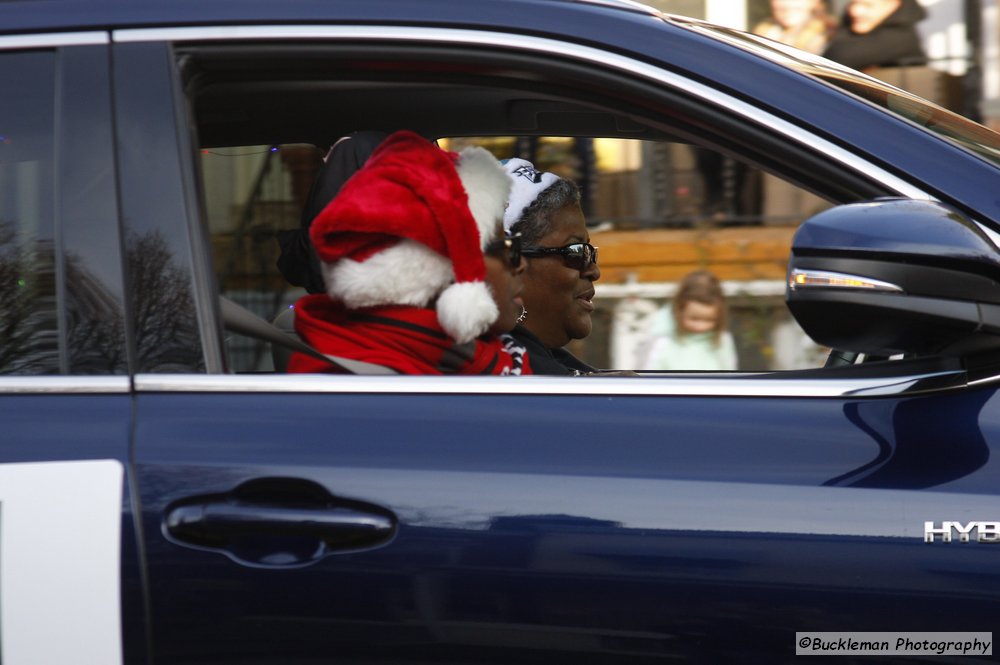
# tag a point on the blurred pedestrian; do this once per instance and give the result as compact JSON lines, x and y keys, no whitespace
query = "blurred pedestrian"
{"x":878,"y":33}
{"x":692,"y":334}
{"x":804,"y":24}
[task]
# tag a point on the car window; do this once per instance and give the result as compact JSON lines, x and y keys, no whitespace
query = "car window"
{"x":662,"y":199}
{"x":160,"y":265}
{"x":252,"y":193}
{"x":62,"y":302}
{"x":29,"y":330}
{"x":659,"y":211}
{"x":656,"y":210}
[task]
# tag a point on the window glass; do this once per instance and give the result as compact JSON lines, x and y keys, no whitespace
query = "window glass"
{"x":660,"y":211}
{"x":253,"y":193}
{"x":29,"y":331}
{"x":658,"y":207}
{"x":92,"y":298}
{"x":159,"y":267}
{"x":657,"y":211}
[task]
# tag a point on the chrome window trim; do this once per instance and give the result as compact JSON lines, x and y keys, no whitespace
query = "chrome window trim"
{"x":535,"y":44}
{"x":990,"y":233}
{"x":745,"y":385}
{"x":96,"y":385}
{"x":54,"y":39}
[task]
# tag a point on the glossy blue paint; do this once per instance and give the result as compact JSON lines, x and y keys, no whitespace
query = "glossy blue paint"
{"x":64,"y":427}
{"x":936,"y":272}
{"x":598,"y":527}
{"x":925,"y":231}
{"x":591,"y":528}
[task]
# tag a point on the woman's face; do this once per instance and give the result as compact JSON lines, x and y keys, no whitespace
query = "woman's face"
{"x":559,"y":299}
{"x":506,"y":285}
{"x":698,"y":317}
{"x":792,"y":13}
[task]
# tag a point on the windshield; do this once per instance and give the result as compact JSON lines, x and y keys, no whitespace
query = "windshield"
{"x":944,"y":123}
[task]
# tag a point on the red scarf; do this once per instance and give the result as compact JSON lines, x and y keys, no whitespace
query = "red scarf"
{"x":406,"y":339}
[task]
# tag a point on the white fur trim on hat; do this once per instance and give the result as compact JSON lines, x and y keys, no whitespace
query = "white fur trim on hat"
{"x":528,"y":182}
{"x":487,"y":186}
{"x":408,"y":273}
{"x":466,"y":310}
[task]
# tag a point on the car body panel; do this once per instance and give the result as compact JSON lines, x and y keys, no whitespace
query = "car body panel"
{"x":590,"y":526}
{"x":629,"y":519}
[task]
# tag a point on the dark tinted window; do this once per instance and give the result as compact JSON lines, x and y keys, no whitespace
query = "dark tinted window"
{"x":29,"y":331}
{"x":61,"y":299}
{"x":87,"y":219}
{"x":159,"y":265}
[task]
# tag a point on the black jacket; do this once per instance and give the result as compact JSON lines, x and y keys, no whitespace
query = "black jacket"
{"x":298,"y":262}
{"x":557,"y":362}
{"x":894,"y":42}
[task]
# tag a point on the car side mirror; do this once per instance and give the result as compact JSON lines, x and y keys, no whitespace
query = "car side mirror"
{"x":895,"y":276}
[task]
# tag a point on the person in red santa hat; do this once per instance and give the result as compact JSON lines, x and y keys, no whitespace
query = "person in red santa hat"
{"x":419,"y":275}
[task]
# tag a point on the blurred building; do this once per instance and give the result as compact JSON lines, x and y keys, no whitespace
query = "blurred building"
{"x":960,"y":37}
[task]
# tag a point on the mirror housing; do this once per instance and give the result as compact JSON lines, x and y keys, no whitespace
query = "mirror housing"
{"x":895,"y":276}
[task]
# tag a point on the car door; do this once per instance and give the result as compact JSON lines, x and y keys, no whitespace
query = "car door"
{"x":414,"y":519}
{"x":69,"y":572}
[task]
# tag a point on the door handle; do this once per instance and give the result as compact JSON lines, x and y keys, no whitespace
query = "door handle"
{"x":278,"y":521}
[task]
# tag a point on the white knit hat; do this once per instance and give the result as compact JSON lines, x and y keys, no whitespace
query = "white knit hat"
{"x":528,"y":182}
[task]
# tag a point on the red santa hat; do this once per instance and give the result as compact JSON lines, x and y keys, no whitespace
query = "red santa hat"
{"x":410,"y":227}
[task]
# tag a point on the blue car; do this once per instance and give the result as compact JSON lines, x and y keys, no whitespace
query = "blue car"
{"x":167,"y":497}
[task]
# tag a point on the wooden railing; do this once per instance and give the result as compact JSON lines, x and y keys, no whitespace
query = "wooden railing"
{"x":665,"y":255}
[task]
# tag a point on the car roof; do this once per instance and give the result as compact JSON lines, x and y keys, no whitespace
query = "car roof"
{"x":20,"y":16}
{"x":584,"y":22}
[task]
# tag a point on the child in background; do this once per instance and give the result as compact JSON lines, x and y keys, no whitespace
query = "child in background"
{"x":691,"y":334}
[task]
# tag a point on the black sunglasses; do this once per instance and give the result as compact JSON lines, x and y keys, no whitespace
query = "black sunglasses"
{"x":509,"y":246}
{"x":579,"y":255}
